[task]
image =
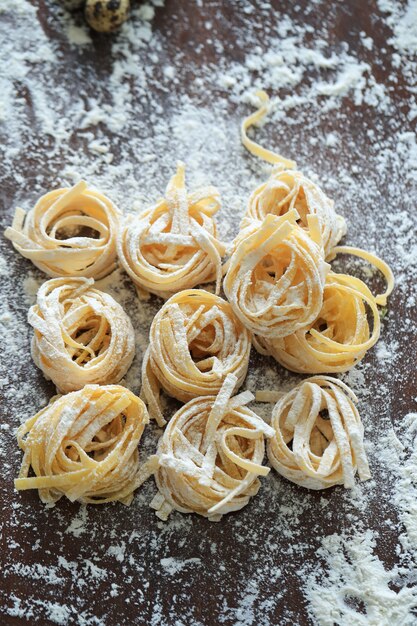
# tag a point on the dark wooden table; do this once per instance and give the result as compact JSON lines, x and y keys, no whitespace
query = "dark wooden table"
{"x":118,"y":565}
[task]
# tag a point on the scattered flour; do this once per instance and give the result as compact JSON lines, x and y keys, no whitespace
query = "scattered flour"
{"x":331,"y":99}
{"x":356,"y":587}
{"x":172,"y":565}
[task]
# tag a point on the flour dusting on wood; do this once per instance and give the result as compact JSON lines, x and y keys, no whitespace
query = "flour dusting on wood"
{"x":120,"y":113}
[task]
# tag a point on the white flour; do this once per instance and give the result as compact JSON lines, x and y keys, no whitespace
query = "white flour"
{"x":107,"y":128}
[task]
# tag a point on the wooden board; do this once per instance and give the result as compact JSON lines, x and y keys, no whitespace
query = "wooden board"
{"x":117,"y":565}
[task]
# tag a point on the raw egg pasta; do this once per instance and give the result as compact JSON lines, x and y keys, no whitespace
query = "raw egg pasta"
{"x":195,"y":341}
{"x":318,"y":435}
{"x":282,"y":297}
{"x":384,"y":268}
{"x":174,"y":245}
{"x":253,"y":147}
{"x":69,"y":232}
{"x":210,"y":455}
{"x":81,"y":335}
{"x":286,"y":190}
{"x":276,"y":275}
{"x":84,"y":446}
{"x":337,"y":339}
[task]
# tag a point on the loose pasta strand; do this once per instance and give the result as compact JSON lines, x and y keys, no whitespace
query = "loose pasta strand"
{"x":383,"y":267}
{"x":253,"y":147}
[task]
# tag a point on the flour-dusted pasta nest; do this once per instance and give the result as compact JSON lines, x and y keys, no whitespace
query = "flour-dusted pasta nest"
{"x":337,"y":339}
{"x":318,"y":435}
{"x":286,"y":190}
{"x":210,"y":456}
{"x":195,"y":341}
{"x":69,"y":232}
{"x":84,"y":446}
{"x":174,"y":245}
{"x":82,"y":335}
{"x":276,"y":276}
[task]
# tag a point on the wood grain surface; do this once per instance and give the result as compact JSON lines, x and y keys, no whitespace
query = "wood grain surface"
{"x":249,"y":552}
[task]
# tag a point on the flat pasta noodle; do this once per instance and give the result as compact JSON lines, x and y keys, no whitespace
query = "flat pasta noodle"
{"x":69,"y":232}
{"x":210,"y":456}
{"x":268,"y":395}
{"x":318,"y":438}
{"x":81,"y":335}
{"x":174,"y":245}
{"x":337,"y":339}
{"x":286,"y":190}
{"x":84,"y":446}
{"x":276,"y":274}
{"x":384,"y":268}
{"x":253,"y":147}
{"x":195,"y":341}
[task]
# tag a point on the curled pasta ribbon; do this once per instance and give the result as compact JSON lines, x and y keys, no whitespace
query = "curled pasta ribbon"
{"x":84,"y":446}
{"x":318,"y":440}
{"x":195,"y":341}
{"x":82,"y":335}
{"x":337,"y":339}
{"x":69,"y":232}
{"x":287,"y":190}
{"x":276,"y":275}
{"x":253,"y":147}
{"x":174,"y":245}
{"x":383,"y":267}
{"x":210,"y":455}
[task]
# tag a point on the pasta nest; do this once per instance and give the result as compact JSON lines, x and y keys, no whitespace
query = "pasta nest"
{"x":174,"y":245}
{"x":81,"y":335}
{"x":69,"y":232}
{"x":286,"y":190}
{"x":195,"y":341}
{"x":210,"y":455}
{"x":84,"y":446}
{"x":337,"y":339}
{"x":276,"y":274}
{"x":318,"y":440}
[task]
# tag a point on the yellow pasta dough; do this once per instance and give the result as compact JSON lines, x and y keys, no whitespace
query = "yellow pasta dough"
{"x":337,"y":339}
{"x":174,"y":245}
{"x":69,"y":232}
{"x":286,"y":190}
{"x":318,"y":438}
{"x":81,"y":335}
{"x":253,"y":147}
{"x":384,"y":268}
{"x":84,"y":446}
{"x":195,"y":341}
{"x":282,"y":296}
{"x":276,"y":275}
{"x":210,"y":455}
